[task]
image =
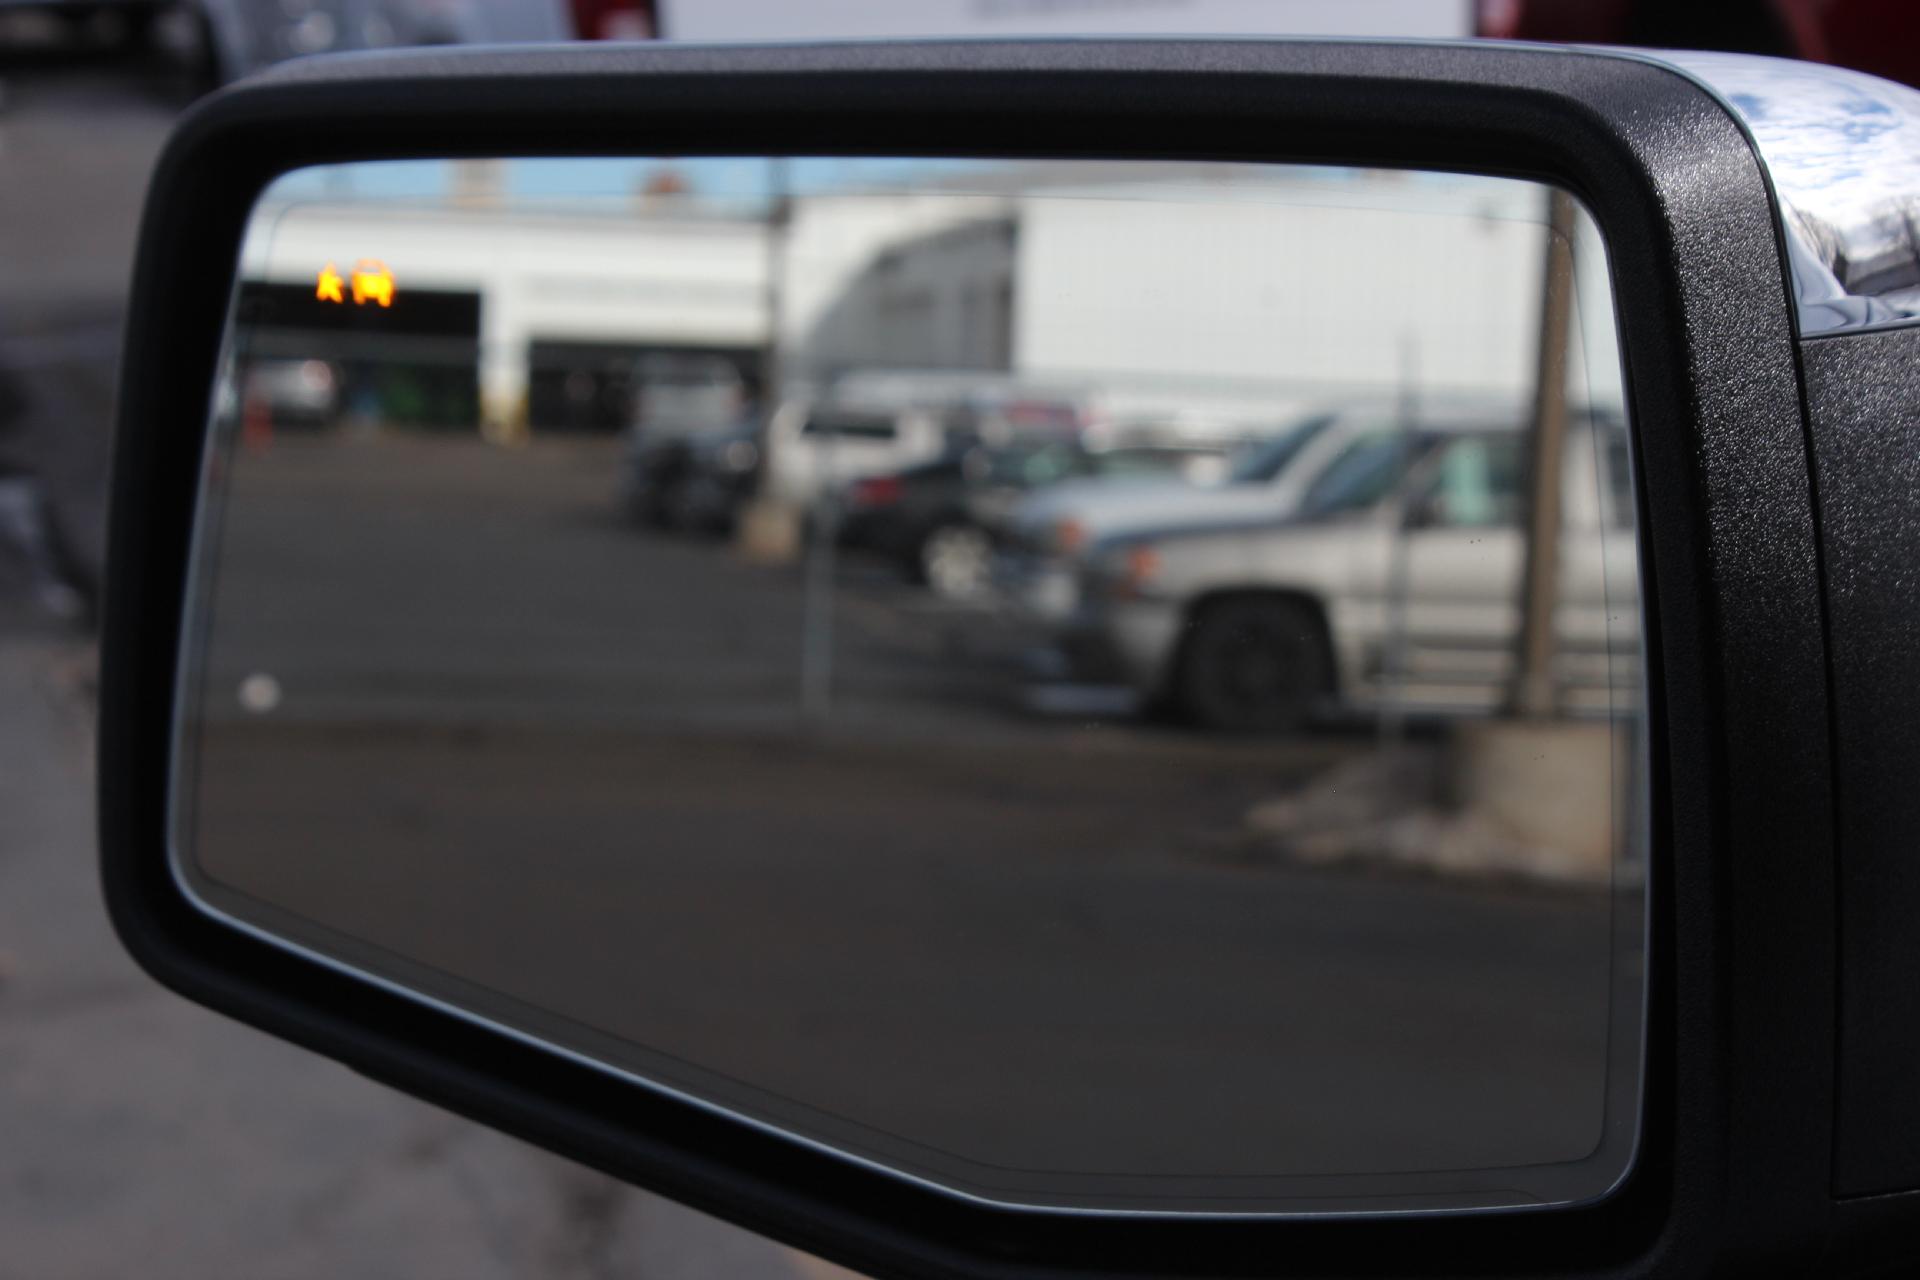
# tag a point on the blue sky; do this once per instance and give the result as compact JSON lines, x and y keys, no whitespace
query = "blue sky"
{"x":744,"y":180}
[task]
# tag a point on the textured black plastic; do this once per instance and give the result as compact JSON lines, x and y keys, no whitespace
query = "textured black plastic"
{"x":1864,"y":397}
{"x":1736,"y":1132}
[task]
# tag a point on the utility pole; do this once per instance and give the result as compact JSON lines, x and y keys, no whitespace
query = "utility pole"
{"x":769,"y":511}
{"x":1533,"y":695}
{"x":477,"y":184}
{"x":769,"y":523}
{"x":779,"y":222}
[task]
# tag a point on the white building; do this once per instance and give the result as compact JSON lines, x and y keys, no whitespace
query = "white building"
{"x":1245,"y":289}
{"x":582,"y":275}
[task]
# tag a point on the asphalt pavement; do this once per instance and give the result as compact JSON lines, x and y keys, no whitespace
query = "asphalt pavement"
{"x":455,"y":721}
{"x":138,"y":1133}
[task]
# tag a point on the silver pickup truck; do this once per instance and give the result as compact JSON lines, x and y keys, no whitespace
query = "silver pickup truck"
{"x":1395,"y":581}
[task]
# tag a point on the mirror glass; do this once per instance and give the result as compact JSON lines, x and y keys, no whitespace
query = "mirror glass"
{"x":1105,"y":685}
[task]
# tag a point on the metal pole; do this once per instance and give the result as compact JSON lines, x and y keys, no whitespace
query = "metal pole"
{"x":1393,"y":713}
{"x":779,"y":219}
{"x":822,"y":530}
{"x":1534,"y":695}
{"x":816,"y":624}
{"x":769,"y":525}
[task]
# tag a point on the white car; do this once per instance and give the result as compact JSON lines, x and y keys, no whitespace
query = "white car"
{"x":816,"y":447}
{"x":1395,"y":583}
{"x":304,"y":393}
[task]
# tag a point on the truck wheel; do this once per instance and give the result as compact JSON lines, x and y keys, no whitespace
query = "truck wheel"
{"x":1252,"y":666}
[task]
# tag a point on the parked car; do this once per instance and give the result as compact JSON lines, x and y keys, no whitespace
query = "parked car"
{"x":1396,"y":580}
{"x":294,"y":393}
{"x":682,"y":395}
{"x":940,"y":520}
{"x":815,"y":447}
{"x":703,"y":482}
{"x":685,"y":408}
{"x":975,"y":406}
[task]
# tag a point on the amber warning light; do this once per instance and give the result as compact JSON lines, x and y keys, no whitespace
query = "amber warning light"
{"x":369,"y":282}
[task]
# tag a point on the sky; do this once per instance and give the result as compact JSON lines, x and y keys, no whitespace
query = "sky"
{"x":744,"y":185}
{"x":743,"y":180}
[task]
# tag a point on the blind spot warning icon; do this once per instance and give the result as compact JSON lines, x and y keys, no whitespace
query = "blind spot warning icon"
{"x":330,"y":282}
{"x":372,"y":282}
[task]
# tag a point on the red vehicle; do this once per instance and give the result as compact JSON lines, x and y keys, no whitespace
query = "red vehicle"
{"x":1878,"y":36}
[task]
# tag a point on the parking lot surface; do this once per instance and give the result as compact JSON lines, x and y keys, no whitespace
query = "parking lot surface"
{"x":568,"y":764}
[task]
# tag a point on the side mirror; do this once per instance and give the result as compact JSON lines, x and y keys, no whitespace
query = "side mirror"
{"x":612,"y":841}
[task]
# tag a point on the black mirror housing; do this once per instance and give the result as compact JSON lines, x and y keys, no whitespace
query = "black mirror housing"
{"x":1736,"y":1163}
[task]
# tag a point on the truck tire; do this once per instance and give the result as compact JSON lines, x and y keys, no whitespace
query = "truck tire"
{"x":1250,"y":665}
